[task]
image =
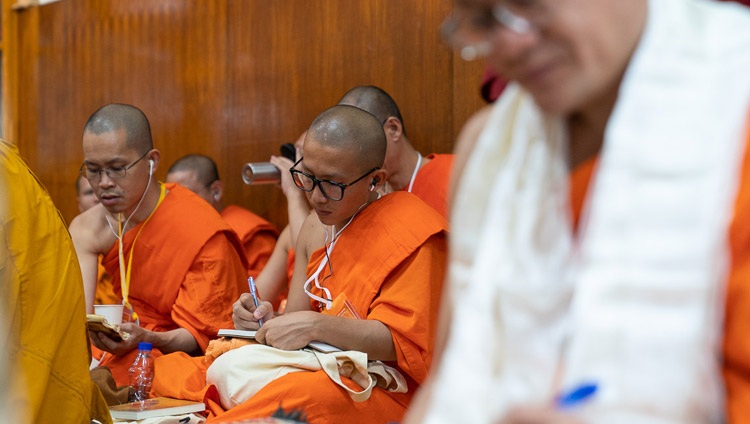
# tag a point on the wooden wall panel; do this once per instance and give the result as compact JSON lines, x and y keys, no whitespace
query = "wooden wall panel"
{"x":233,"y":79}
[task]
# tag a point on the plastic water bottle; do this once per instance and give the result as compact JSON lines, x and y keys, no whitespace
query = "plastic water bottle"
{"x":141,"y":373}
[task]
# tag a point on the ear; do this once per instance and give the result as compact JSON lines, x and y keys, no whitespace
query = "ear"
{"x":217,"y":190}
{"x":155,"y":156}
{"x":378,"y":178}
{"x":393,"y":128}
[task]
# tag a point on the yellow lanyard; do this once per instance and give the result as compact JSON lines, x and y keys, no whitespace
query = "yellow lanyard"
{"x":125,"y":272}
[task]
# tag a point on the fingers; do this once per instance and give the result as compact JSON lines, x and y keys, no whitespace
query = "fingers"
{"x":264,"y":311}
{"x":246,"y":316}
{"x":281,"y":162}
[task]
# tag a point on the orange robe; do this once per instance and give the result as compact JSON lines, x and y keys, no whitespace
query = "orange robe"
{"x":257,"y":235}
{"x":389,"y":264}
{"x":431,"y":182}
{"x":736,"y":344}
{"x":188,"y":269}
{"x":105,"y":293}
{"x":736,"y":348}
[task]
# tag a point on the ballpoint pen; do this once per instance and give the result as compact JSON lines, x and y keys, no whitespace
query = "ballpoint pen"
{"x":254,"y":294}
{"x":576,"y":396}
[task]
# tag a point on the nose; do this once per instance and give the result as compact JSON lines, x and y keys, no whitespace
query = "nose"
{"x":105,"y":181}
{"x":509,"y":46}
{"x":317,"y":196}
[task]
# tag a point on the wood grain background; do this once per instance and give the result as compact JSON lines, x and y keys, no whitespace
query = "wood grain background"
{"x":233,"y":79}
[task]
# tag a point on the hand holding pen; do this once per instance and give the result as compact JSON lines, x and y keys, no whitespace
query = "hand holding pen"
{"x":254,"y":294}
{"x":560,"y":412}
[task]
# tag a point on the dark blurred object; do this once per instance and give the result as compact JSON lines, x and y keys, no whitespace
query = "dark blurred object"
{"x":289,"y":151}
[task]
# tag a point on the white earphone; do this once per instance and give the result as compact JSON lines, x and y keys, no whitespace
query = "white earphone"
{"x":150,"y":167}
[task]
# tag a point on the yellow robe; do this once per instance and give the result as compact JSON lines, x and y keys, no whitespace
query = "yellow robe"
{"x":44,"y":312}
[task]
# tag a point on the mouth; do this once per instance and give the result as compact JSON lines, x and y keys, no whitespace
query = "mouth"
{"x":109,"y":199}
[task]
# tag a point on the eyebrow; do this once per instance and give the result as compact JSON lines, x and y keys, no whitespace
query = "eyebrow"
{"x":115,"y":161}
{"x":334,"y":178}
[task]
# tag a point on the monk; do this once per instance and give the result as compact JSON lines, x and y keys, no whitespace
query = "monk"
{"x":274,"y":280}
{"x":86,"y":198}
{"x":42,"y":320}
{"x":600,"y":217}
{"x":177,"y":279}
{"x":199,"y":174}
{"x":373,"y":288}
{"x":425,"y":176}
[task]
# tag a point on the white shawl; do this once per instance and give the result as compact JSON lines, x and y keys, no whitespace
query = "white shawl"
{"x":633,"y":302}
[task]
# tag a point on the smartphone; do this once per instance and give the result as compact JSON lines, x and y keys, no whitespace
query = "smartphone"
{"x":289,"y":151}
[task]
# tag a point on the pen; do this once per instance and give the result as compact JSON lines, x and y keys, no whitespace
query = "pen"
{"x":254,"y":294}
{"x":576,"y":396}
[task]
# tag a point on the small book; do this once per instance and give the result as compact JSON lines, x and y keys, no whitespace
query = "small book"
{"x":250,"y":334}
{"x":99,"y":324}
{"x":240,"y":334}
{"x":155,"y":407}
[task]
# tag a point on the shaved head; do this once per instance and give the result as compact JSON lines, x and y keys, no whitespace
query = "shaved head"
{"x":117,"y":116}
{"x":374,"y":100}
{"x":351,"y":129}
{"x":203,"y":166}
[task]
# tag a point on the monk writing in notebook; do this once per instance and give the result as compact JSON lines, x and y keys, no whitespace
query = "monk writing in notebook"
{"x":383,"y":262}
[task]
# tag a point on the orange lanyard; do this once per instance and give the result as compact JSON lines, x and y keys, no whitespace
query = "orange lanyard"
{"x":125,"y":272}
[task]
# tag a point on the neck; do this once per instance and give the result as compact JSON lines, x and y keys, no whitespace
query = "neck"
{"x":586,"y":128}
{"x":400,"y":176}
{"x":150,"y":201}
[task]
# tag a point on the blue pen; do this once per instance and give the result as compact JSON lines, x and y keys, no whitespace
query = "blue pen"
{"x":254,"y":294}
{"x":576,"y":396}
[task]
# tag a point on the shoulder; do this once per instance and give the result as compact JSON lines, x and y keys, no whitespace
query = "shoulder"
{"x":90,"y":232}
{"x":312,"y":236}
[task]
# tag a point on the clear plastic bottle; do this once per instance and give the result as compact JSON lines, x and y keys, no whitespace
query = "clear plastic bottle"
{"x":141,"y":373}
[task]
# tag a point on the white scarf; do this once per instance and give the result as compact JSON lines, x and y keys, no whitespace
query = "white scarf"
{"x":634,"y":302}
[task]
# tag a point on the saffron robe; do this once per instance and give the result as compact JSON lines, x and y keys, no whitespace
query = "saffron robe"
{"x":188,"y":270}
{"x":43,"y":316}
{"x":257,"y":235}
{"x":432,"y":180}
{"x":389,"y":263}
{"x":105,"y":294}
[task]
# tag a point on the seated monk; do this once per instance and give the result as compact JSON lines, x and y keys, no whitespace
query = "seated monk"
{"x":425,"y":176}
{"x":383,"y":263}
{"x":177,"y":279}
{"x":199,"y":174}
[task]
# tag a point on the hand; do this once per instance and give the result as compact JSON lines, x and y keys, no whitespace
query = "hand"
{"x":536,"y":414}
{"x":137,"y":334}
{"x":287,"y":185}
{"x":289,"y":331}
{"x":245,"y":316}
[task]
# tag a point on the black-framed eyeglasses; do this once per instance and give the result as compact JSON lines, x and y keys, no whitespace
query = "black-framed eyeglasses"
{"x":114,"y":173}
{"x":330,"y":189}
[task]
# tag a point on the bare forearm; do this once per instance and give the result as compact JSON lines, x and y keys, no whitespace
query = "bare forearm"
{"x":369,"y":336}
{"x":179,"y":340}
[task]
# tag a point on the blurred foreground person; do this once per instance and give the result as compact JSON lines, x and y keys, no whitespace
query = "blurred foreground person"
{"x":632,"y":117}
{"x":42,"y":318}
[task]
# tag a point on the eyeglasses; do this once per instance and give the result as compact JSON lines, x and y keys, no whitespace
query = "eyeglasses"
{"x":114,"y":173}
{"x":469,"y":32}
{"x":330,"y":189}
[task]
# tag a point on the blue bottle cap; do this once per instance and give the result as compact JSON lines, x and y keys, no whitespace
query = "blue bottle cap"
{"x":145,"y":346}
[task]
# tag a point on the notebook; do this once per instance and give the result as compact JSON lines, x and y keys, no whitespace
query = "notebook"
{"x":155,"y":407}
{"x":250,"y":334}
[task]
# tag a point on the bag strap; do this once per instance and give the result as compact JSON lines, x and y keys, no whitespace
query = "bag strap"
{"x":329,"y":362}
